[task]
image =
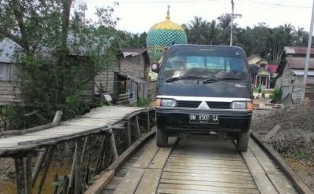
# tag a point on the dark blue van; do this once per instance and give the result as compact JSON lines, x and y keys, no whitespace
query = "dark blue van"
{"x":202,"y":88}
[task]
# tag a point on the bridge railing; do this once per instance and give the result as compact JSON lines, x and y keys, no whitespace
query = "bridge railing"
{"x":74,"y":161}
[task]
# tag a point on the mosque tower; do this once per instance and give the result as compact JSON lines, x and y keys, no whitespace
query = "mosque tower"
{"x":164,"y":34}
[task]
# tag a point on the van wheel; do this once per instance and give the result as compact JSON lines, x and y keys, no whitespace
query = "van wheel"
{"x":162,"y":138}
{"x":243,"y":141}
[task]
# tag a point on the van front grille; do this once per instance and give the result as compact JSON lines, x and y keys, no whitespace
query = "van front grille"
{"x":195,"y":104}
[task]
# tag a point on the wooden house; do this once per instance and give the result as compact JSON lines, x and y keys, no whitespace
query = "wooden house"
{"x":9,"y":93}
{"x":291,"y":73}
{"x":263,"y":77}
{"x":127,"y":76}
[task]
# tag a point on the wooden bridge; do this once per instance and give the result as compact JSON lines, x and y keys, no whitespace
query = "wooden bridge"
{"x":113,"y":150}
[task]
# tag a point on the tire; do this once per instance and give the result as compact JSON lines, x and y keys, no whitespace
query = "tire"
{"x":162,"y":138}
{"x":243,"y":141}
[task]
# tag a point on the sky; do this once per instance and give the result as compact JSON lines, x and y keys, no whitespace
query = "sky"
{"x":139,"y":16}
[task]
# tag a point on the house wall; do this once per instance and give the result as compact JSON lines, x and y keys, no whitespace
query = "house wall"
{"x":133,"y":66}
{"x":293,"y":85}
{"x":8,"y":91}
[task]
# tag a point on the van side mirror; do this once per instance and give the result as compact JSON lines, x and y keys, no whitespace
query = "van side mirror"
{"x":253,"y":69}
{"x":155,"y":67}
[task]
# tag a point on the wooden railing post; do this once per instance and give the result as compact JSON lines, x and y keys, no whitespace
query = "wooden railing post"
{"x":20,"y":177}
{"x":29,"y":184}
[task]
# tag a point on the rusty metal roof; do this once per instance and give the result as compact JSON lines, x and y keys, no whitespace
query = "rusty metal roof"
{"x":132,"y":51}
{"x":299,"y":62}
{"x":290,"y":50}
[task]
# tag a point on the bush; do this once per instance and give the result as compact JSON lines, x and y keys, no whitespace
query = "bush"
{"x":276,"y":95}
{"x":142,"y":102}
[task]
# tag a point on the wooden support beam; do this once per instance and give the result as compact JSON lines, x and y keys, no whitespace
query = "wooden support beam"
{"x":45,"y":169}
{"x":38,"y":166}
{"x":100,"y":156}
{"x":29,"y":185}
{"x":20,"y":177}
{"x":113,"y":144}
{"x":84,"y":149}
{"x":78,"y":167}
{"x":148,"y":121}
{"x":71,"y":178}
{"x":128,"y":132}
{"x":137,"y":131}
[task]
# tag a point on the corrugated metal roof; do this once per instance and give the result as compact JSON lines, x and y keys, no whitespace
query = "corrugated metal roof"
{"x":132,"y":51}
{"x":297,"y":50}
{"x":7,"y":48}
{"x":133,"y":78}
{"x":299,"y":62}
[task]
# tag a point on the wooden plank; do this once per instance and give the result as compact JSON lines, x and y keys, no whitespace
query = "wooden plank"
{"x":218,"y":163}
{"x":208,"y":167}
{"x":149,"y":182}
{"x":206,"y":182}
{"x":160,"y":158}
{"x":208,"y":189}
{"x":263,"y":183}
{"x":183,"y":191}
{"x":278,"y":179}
{"x":146,"y":157}
{"x":130,"y":181}
{"x":100,"y":183}
{"x":202,"y":171}
{"x":208,"y":177}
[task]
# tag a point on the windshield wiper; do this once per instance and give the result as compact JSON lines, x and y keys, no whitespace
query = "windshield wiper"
{"x":183,"y":77}
{"x":210,"y":80}
{"x":230,"y":78}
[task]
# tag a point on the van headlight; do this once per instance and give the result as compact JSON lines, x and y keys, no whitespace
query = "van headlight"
{"x":242,"y":105}
{"x":168,"y":103}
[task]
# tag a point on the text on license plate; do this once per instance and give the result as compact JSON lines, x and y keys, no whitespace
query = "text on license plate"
{"x":204,"y":118}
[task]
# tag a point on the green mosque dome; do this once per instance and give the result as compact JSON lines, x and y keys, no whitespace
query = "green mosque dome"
{"x":164,"y":34}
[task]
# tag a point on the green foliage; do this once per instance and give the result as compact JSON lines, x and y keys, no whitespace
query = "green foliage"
{"x":143,"y":102}
{"x":276,"y":95}
{"x":260,"y":39}
{"x":57,"y":55}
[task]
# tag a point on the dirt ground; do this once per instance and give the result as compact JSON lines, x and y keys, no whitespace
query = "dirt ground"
{"x":294,"y":139}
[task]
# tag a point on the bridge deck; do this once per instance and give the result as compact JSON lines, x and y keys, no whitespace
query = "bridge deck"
{"x":199,"y":165}
{"x":95,"y":121}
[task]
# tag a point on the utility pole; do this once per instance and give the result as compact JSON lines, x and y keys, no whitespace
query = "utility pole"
{"x":308,"y":52}
{"x":232,"y":15}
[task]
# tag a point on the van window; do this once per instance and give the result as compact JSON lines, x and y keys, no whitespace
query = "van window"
{"x":204,"y":64}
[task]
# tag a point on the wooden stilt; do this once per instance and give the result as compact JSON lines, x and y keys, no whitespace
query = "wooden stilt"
{"x":113,"y":144}
{"x":71,"y":178}
{"x":84,"y":149}
{"x":45,"y":169}
{"x":137,"y":131}
{"x":29,"y":185}
{"x":148,"y":121}
{"x":20,"y":181}
{"x":65,"y":184}
{"x":100,"y":156}
{"x":128,"y":133}
{"x":38,"y":165}
{"x":78,"y":167}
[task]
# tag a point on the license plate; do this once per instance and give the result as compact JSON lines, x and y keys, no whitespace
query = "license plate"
{"x":204,"y":119}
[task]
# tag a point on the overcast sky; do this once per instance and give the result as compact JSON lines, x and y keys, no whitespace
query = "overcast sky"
{"x":138,"y":16}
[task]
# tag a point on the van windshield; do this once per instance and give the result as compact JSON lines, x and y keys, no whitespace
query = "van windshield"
{"x":224,"y":65}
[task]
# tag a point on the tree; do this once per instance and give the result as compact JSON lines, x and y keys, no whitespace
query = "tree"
{"x":53,"y":47}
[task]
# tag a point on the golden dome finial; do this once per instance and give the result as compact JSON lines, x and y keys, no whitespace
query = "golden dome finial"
{"x":168,"y":13}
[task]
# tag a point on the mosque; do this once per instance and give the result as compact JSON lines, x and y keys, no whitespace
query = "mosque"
{"x":162,"y":35}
